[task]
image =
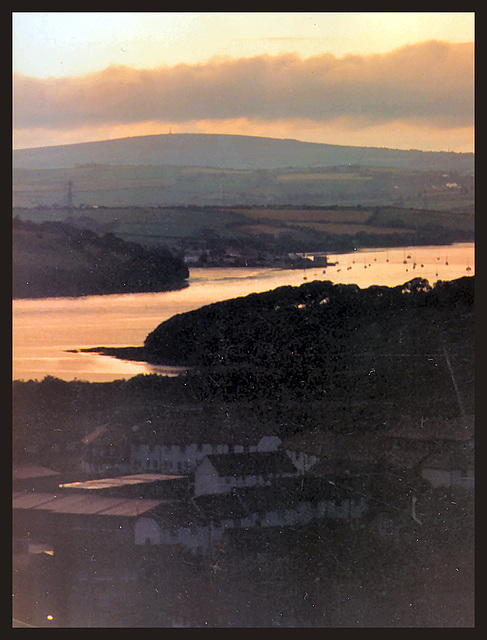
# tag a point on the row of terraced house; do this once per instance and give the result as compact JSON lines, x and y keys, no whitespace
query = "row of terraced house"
{"x":190,"y":493}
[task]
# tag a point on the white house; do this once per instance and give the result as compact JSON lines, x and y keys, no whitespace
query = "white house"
{"x":221,"y":473}
{"x":453,"y":467}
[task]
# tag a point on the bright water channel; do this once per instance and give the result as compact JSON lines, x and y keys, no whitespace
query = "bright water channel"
{"x":44,"y":330}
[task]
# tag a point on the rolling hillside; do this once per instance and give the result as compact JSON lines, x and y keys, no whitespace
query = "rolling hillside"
{"x":233,"y":152}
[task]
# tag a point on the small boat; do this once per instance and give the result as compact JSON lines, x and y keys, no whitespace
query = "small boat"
{"x":468,"y":269}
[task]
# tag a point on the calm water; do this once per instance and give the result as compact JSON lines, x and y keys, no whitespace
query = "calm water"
{"x":43,"y":330}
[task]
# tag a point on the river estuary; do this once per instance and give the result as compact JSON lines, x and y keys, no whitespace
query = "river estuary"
{"x":48,"y":332}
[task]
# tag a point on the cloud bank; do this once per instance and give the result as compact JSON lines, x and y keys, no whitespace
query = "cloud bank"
{"x":429,"y":84}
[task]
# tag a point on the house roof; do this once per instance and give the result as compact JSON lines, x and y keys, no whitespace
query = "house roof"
{"x":83,"y":504}
{"x":376,"y":445}
{"x":95,"y":434}
{"x":253,"y":463}
{"x":451,"y":459}
{"x":327,"y":444}
{"x":120,"y":481}
{"x":178,"y":514}
{"x":160,"y":434}
{"x":29,"y":471}
{"x":220,"y":506}
{"x":460,"y":428}
{"x":285,"y":494}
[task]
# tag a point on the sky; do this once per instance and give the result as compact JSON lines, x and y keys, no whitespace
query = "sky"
{"x":382,"y":79}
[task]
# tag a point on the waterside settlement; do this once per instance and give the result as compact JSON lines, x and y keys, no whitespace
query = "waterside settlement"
{"x":135,"y":499}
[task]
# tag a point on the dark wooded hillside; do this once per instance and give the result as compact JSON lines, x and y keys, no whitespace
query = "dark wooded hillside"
{"x":384,"y":348}
{"x":57,"y":259}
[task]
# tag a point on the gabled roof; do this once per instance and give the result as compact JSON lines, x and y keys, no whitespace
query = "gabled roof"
{"x":220,"y":506}
{"x":254,"y":463}
{"x":285,"y":494}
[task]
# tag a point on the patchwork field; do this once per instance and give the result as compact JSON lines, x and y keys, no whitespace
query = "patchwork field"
{"x":312,"y":176}
{"x":298,"y":216}
{"x":112,"y":185}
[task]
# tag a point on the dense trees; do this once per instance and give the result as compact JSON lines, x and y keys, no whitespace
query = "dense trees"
{"x":381,"y":344}
{"x":56,"y":259}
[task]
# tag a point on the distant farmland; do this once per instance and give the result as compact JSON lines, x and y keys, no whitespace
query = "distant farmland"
{"x":313,"y":176}
{"x":298,"y":216}
{"x":279,"y":228}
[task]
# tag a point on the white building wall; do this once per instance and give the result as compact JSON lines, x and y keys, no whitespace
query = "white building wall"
{"x":207,"y":480}
{"x":175,"y":458}
{"x":147,"y":530}
{"x":205,"y":537}
{"x":301,"y":460}
{"x":437,"y":477}
{"x":268,"y":443}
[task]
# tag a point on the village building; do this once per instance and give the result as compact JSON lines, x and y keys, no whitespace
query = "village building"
{"x":168,"y":454}
{"x":32,"y":477}
{"x":439,"y":451}
{"x":449,"y":446}
{"x":307,"y":450}
{"x":220,"y":473}
{"x":289,"y":502}
{"x":453,"y":467}
{"x":51,"y":517}
{"x":105,"y":450}
{"x":142,"y":485}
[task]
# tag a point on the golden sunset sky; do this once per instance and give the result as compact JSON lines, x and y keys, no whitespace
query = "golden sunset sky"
{"x":387,"y":79}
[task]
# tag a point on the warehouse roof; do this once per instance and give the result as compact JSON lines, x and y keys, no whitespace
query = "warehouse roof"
{"x":119,"y":481}
{"x":28,"y":471}
{"x":84,"y":504}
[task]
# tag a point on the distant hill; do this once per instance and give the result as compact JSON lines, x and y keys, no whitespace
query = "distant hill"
{"x":56,"y":259}
{"x":233,"y":152}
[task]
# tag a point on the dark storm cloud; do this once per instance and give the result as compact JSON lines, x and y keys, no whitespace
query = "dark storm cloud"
{"x":428,"y":83}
